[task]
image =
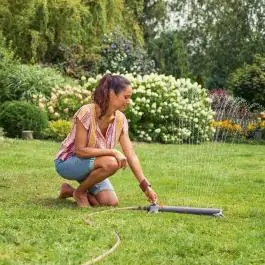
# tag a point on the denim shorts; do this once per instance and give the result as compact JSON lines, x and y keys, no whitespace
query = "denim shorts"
{"x":76,"y":168}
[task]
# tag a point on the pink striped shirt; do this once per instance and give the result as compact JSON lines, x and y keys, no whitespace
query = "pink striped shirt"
{"x":68,"y":145}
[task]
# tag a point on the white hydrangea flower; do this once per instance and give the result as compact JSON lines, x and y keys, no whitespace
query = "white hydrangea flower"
{"x":56,"y":114}
{"x":50,"y":109}
{"x":41,"y":106}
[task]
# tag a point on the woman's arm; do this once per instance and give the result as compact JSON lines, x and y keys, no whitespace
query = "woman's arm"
{"x":135,"y":166}
{"x":81,"y":149}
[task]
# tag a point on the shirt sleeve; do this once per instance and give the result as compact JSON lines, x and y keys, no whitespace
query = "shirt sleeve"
{"x":84,"y":115}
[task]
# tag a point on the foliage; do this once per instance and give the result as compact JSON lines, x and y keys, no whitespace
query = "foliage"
{"x":16,"y":116}
{"x":2,"y":133}
{"x":7,"y":56}
{"x":69,"y":33}
{"x":220,"y":35}
{"x":249,"y":81}
{"x":170,"y":54}
{"x":46,"y":31}
{"x":150,"y":15}
{"x":22,"y":81}
{"x":58,"y":130}
{"x":121,"y":56}
{"x":163,"y":109}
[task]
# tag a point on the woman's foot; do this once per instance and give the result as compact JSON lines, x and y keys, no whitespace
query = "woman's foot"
{"x":81,"y":199}
{"x":66,"y":191}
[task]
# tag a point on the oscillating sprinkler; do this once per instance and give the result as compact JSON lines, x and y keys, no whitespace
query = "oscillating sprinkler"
{"x":155,"y":208}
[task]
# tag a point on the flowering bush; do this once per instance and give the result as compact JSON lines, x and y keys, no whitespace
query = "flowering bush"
{"x":168,"y":110}
{"x":63,"y":102}
{"x":227,"y":107}
{"x":219,"y":97}
{"x":255,"y":126}
{"x":58,"y":130}
{"x":121,"y":56}
{"x":227,"y":129}
{"x":163,"y":109}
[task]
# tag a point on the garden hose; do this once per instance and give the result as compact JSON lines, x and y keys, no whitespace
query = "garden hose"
{"x":117,"y":237}
{"x":153,"y":208}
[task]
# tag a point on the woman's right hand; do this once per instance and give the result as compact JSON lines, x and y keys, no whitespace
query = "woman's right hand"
{"x":151,"y":195}
{"x":121,"y":159}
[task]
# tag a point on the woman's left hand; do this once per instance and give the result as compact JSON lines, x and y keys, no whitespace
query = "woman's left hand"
{"x":121,"y":159}
{"x":151,"y":195}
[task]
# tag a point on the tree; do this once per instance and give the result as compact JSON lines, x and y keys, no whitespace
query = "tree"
{"x":149,"y":14}
{"x":51,"y":31}
{"x":170,"y":54}
{"x":220,"y":35}
{"x":248,"y":81}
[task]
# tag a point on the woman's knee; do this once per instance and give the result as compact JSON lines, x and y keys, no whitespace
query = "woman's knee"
{"x":107,"y":199}
{"x":109,"y":202}
{"x":110,"y":164}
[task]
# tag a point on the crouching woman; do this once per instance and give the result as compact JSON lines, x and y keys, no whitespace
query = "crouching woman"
{"x":87,"y":155}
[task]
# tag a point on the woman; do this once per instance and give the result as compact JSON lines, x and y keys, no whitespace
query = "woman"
{"x":88,"y":155}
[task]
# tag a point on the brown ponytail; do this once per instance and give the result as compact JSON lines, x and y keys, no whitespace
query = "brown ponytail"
{"x":108,"y":82}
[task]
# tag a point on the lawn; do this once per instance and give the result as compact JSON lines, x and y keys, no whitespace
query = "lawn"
{"x":38,"y":228}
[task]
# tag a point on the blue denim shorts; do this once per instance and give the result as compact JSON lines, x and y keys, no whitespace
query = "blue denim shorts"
{"x":76,"y":168}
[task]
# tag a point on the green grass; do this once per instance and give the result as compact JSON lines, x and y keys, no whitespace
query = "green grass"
{"x":37,"y":228}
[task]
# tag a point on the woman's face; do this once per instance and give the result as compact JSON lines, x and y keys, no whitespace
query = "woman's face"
{"x":122,"y":100}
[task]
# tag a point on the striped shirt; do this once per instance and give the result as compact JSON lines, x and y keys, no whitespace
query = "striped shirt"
{"x":68,"y":145}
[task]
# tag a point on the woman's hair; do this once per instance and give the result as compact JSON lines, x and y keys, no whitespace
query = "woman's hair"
{"x":108,"y":82}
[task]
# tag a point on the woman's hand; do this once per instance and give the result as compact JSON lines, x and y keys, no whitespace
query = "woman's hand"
{"x":121,"y":159}
{"x":151,"y":195}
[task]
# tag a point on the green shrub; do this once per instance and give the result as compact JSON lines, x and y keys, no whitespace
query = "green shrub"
{"x":248,"y":82}
{"x":16,"y":116}
{"x":22,"y":81}
{"x":58,"y":130}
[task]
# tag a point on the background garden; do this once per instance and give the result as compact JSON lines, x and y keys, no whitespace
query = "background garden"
{"x":179,"y":57}
{"x":197,"y":70}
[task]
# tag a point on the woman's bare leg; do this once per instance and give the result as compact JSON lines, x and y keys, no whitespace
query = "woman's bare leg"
{"x":92,"y":200}
{"x":107,"y":198}
{"x":102,"y":198}
{"x":104,"y":167}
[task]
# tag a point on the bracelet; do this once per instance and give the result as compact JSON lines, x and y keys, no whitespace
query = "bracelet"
{"x":144,"y":185}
